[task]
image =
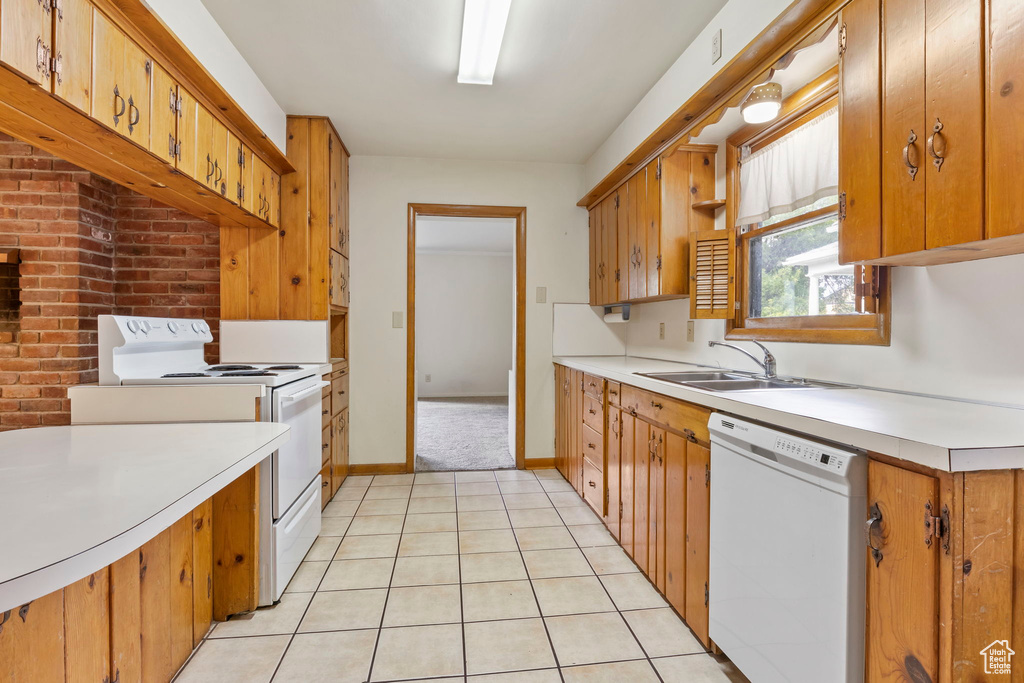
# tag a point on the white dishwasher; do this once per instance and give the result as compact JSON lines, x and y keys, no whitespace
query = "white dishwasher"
{"x":787,"y":570}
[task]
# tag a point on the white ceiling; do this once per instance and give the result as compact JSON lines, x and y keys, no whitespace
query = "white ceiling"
{"x":464,"y":235}
{"x":384,"y":70}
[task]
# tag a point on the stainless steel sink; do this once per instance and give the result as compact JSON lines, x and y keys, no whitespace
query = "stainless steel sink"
{"x":733,"y":381}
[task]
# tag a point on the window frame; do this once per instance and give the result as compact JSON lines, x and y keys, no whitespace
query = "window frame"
{"x":874,"y":292}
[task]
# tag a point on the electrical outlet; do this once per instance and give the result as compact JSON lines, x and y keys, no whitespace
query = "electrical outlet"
{"x":661,"y":330}
{"x":426,"y":378}
{"x":542,"y":295}
{"x":396,"y":320}
{"x":716,"y":46}
{"x":689,"y":331}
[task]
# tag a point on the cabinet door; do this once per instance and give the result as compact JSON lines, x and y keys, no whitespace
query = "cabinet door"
{"x":345,"y":291}
{"x":656,"y":510}
{"x":613,"y":447}
{"x":274,"y":203}
{"x":72,"y":52}
{"x":652,"y":224}
{"x":903,"y":127}
{"x":595,"y":261}
{"x":642,"y":451}
{"x":25,"y":35}
{"x":339,"y":469}
{"x":334,"y":219}
{"x":343,"y":215}
{"x":609,"y":259}
{"x":188,"y":135}
{"x":1004,"y":125}
{"x":698,"y":521}
{"x":675,"y":521}
{"x":219,"y":152}
{"x":626,"y":474}
{"x":235,"y":164}
{"x":109,"y":98}
{"x":206,"y":168}
{"x":164,"y":111}
{"x":637,"y":212}
{"x":903,"y":577}
{"x":624,"y":260}
{"x":954,"y":123}
{"x":137,"y":69}
{"x":245,"y":193}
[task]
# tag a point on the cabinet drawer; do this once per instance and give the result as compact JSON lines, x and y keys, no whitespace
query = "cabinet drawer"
{"x":662,"y":410}
{"x":593,"y":445}
{"x":325,"y":445}
{"x":339,"y":393}
{"x":593,"y":413}
{"x":615,"y":394}
{"x":594,"y":385}
{"x":325,"y":412}
{"x":593,"y":487}
{"x":325,"y":486}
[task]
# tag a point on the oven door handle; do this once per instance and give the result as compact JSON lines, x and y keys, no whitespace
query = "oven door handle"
{"x":305,"y":392}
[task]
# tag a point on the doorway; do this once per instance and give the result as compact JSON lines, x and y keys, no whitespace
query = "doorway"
{"x":466,"y":337}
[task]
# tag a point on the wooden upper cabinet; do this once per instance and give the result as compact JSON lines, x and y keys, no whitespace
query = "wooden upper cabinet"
{"x":72,"y":52}
{"x":1004,"y":123}
{"x":163,"y":107}
{"x":636,"y":234}
{"x":121,"y":81}
{"x":338,"y":195}
{"x":594,"y":223}
{"x":187,"y":135}
{"x":235,"y":167}
{"x":137,"y":69}
{"x":212,"y":158}
{"x":903,"y":576}
{"x":860,"y":130}
{"x":25,"y":38}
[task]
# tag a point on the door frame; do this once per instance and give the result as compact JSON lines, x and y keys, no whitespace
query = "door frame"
{"x":467,"y":211}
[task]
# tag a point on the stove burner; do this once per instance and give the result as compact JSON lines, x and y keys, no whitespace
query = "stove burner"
{"x":183,"y":374}
{"x":285,"y":367}
{"x":249,"y":373}
{"x":227,"y":368}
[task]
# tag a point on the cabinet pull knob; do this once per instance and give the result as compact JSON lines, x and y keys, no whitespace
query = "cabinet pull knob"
{"x":591,"y":446}
{"x":593,"y":485}
{"x":118,"y":113}
{"x":656,"y":405}
{"x":133,"y":118}
{"x":938,"y":155}
{"x":872,"y":525}
{"x":324,"y":485}
{"x":591,"y":411}
{"x":324,"y":412}
{"x":911,"y":168}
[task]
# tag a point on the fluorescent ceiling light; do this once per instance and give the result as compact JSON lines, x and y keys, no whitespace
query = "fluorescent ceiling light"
{"x":483,"y":26}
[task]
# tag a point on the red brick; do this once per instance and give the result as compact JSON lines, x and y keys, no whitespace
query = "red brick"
{"x":18,"y":391}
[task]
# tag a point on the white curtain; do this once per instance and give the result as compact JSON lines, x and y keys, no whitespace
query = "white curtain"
{"x":795,"y":171}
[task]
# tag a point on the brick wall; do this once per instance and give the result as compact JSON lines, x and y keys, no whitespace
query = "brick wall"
{"x":88,"y":247}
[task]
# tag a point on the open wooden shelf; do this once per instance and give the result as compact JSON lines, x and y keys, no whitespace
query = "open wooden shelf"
{"x":10,"y":255}
{"x":709,"y":204}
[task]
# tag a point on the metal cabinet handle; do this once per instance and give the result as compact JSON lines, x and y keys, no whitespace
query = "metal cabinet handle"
{"x":324,"y":446}
{"x":874,"y":523}
{"x":218,"y":170}
{"x":324,"y":411}
{"x":133,"y":119}
{"x":324,"y":485}
{"x":639,"y":256}
{"x":593,"y":485}
{"x":591,"y":446}
{"x":209,"y":168}
{"x":911,"y":168}
{"x":591,"y":411}
{"x":656,"y":405}
{"x":938,"y":155}
{"x":118,"y":113}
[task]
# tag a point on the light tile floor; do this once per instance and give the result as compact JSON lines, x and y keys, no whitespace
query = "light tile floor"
{"x":476,"y":577}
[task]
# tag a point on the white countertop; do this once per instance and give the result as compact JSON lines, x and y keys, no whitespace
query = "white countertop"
{"x":79,"y":498}
{"x":939,"y":433}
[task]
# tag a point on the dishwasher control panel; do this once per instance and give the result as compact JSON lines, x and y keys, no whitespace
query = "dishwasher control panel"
{"x":811,"y":453}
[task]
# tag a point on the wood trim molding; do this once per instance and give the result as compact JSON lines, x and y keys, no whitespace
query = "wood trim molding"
{"x":540,"y":464}
{"x":466,"y":211}
{"x":183,"y":65}
{"x":766,"y":51}
{"x":363,"y":469}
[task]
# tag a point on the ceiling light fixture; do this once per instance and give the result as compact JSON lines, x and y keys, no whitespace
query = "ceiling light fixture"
{"x":763,"y":103}
{"x":483,"y":26}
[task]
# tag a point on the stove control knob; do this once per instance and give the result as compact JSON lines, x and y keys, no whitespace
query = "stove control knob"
{"x":172,"y":327}
{"x":197,"y":328}
{"x":133,"y":326}
{"x":145,"y":327}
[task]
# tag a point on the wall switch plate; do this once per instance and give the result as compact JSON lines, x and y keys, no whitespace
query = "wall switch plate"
{"x":661,"y":330}
{"x":689,"y":331}
{"x":396,"y":320}
{"x":716,"y":46}
{"x":426,"y":378}
{"x":542,"y":295}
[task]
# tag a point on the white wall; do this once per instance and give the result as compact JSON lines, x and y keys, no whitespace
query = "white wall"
{"x":556,"y":257}
{"x":465,"y":305}
{"x":740,"y":21}
{"x":199,"y":31}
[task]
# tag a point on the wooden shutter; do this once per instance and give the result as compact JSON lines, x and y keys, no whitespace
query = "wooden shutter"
{"x":712,"y":274}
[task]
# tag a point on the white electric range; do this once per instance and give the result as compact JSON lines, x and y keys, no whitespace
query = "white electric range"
{"x":136,"y":351}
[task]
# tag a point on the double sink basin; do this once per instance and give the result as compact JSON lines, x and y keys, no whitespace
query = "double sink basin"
{"x":719,"y":380}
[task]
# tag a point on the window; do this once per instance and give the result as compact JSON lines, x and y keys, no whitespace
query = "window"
{"x":783,"y":202}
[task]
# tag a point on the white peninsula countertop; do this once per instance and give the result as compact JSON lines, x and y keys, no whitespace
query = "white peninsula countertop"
{"x":943,"y":434}
{"x":79,"y":498}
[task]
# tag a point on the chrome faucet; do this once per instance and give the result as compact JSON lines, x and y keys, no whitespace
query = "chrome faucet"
{"x":768,"y":365}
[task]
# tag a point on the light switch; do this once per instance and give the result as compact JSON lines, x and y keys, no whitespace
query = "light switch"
{"x":426,"y":378}
{"x":396,"y":320}
{"x":542,"y":295}
{"x":689,"y":331}
{"x":661,"y":330}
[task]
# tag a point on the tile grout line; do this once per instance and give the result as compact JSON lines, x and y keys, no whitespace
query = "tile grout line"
{"x":291,"y":637}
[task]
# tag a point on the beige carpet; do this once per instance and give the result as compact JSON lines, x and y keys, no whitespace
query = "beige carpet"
{"x":462,"y":434}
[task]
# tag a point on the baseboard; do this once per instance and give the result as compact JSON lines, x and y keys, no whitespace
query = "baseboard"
{"x":377,"y":468}
{"x":540,"y":464}
{"x":503,"y":394}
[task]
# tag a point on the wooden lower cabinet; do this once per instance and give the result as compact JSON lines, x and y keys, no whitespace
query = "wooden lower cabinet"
{"x":613,"y":448}
{"x":675,"y":521}
{"x":641,"y":494}
{"x":627,"y":460}
{"x":698,"y":524}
